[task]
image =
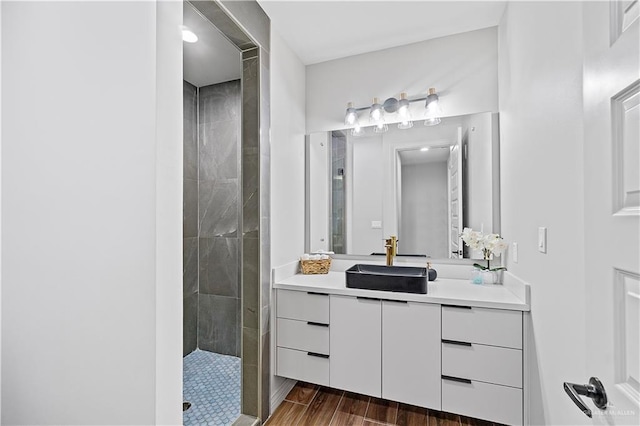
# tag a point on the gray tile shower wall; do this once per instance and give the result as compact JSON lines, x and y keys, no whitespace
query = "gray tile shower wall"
{"x":219,"y":115}
{"x":251,"y":356}
{"x":190,"y":219}
{"x":216,"y":317}
{"x":265,"y":235}
{"x":190,"y":130}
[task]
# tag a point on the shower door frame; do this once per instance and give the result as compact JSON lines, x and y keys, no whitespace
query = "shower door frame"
{"x":247,"y":27}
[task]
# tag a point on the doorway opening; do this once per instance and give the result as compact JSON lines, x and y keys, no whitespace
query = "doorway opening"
{"x":212,"y":291}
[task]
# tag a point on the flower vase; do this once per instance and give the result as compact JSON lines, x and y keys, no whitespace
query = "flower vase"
{"x":493,"y":277}
{"x":476,"y":276}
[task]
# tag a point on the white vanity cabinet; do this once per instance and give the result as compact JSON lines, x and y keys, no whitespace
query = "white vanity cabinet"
{"x":466,"y":360}
{"x":355,"y":341}
{"x":482,"y":363}
{"x":386,"y":348}
{"x":411,"y":353}
{"x":302,"y":336}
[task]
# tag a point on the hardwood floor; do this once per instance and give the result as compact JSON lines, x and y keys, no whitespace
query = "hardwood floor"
{"x":311,"y":405}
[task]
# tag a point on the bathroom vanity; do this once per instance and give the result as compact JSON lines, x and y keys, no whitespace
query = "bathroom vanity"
{"x":458,"y":348}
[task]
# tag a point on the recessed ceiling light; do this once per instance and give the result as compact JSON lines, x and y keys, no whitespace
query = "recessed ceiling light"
{"x":426,"y":148}
{"x":188,"y":35}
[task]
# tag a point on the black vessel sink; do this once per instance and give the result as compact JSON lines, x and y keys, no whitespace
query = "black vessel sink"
{"x":404,"y":279}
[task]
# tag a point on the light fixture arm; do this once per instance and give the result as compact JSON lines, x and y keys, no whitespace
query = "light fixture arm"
{"x":390,"y":105}
{"x":365,"y":108}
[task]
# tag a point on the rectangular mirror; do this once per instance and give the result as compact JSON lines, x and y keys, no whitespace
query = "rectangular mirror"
{"x":423,"y":184}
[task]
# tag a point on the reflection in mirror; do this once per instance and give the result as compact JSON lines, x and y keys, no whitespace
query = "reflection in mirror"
{"x":423,"y":184}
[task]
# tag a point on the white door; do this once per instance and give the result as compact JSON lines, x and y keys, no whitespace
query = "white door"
{"x":612,"y":207}
{"x":455,"y":198}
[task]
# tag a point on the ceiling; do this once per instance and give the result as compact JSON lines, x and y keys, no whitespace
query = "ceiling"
{"x":416,"y":156}
{"x":319,"y":31}
{"x":212,"y":59}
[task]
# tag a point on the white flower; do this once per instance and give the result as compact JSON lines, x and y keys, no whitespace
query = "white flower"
{"x":472,"y":238}
{"x":490,"y":244}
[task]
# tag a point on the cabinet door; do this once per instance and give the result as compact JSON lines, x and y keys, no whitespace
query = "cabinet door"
{"x":355,"y":336}
{"x":411,"y":353}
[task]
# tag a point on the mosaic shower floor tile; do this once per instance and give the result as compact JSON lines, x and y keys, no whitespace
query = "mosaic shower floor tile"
{"x":211,"y":383}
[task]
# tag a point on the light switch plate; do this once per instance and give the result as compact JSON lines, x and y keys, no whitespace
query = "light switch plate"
{"x":514,"y":252}
{"x":542,"y":239}
{"x":376,"y":224}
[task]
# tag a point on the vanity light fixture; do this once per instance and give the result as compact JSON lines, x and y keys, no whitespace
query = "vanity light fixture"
{"x":376,"y":114}
{"x":404,"y":113}
{"x":432,"y":105}
{"x":351,"y":118}
{"x":425,"y":149}
{"x":394,"y":106}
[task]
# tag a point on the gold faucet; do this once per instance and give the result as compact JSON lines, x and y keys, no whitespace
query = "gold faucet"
{"x":391,"y":244}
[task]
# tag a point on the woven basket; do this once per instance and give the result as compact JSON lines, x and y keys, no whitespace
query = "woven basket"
{"x":311,"y":267}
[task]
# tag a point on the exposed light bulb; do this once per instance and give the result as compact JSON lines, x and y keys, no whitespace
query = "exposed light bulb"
{"x":188,"y":35}
{"x":433,"y":106}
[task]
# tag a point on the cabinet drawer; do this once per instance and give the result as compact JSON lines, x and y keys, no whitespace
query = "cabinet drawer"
{"x":501,"y":404}
{"x":302,"y":305}
{"x":491,"y":364}
{"x":300,"y":365}
{"x":495,"y":327}
{"x":303,"y":336}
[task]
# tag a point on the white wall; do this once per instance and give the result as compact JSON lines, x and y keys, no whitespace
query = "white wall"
{"x":287,"y":152}
{"x":318,"y":191}
{"x":366,"y":182}
{"x":89,"y":195}
{"x":462,"y":67}
{"x":425,"y":208}
{"x":540,"y":74}
{"x":479,"y":206}
{"x":169,"y":210}
{"x":287,"y":167}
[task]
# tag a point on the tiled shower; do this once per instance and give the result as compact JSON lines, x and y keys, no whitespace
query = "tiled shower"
{"x":211,"y":219}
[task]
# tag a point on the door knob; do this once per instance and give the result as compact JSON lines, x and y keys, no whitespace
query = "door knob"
{"x":594,"y":390}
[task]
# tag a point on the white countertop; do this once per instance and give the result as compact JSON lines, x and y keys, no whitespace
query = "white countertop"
{"x":445,"y":291}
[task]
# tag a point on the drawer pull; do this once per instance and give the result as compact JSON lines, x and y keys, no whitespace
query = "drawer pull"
{"x":455,"y":342}
{"x":456,"y":379}
{"x":314,"y":293}
{"x":368,"y":298}
{"x":321,"y":355}
{"x":456,"y":306}
{"x":395,"y":301}
{"x":319,"y":324}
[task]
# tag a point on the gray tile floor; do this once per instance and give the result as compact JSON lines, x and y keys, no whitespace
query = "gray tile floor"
{"x":211,"y":383}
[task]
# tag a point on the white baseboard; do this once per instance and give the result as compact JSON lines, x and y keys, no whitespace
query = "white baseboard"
{"x":281,"y":393}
